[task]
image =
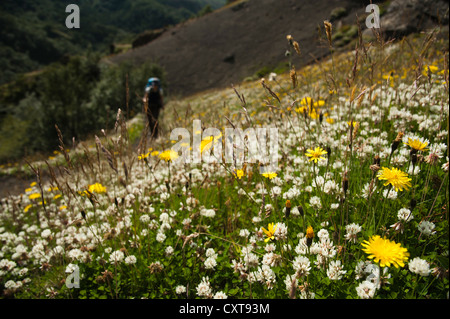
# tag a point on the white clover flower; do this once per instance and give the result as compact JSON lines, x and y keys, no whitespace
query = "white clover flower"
{"x":180,"y":289}
{"x":210,"y":263}
{"x":160,"y":237}
{"x":366,"y":290}
{"x":204,"y":288}
{"x":130,"y":260}
{"x":281,"y":231}
{"x":220,"y":295}
{"x":335,"y":271}
{"x":169,"y":251}
{"x":144,"y":218}
{"x":71,"y":268}
{"x":419,"y":266}
{"x":244,"y":233}
{"x":301,"y":265}
{"x":46,"y":233}
{"x":208,"y":212}
{"x":211,"y":253}
{"x":426,"y":228}
{"x":116,"y":257}
{"x":334,"y":206}
{"x":315,"y":202}
{"x":271,"y":259}
{"x":404,"y":214}
{"x":352,"y":231}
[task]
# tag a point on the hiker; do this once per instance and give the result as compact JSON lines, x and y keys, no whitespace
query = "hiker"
{"x":153,"y":103}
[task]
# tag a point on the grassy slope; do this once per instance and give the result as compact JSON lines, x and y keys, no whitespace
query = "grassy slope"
{"x":397,"y":79}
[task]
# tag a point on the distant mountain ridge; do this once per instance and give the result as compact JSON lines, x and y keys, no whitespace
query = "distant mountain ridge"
{"x":33,"y":33}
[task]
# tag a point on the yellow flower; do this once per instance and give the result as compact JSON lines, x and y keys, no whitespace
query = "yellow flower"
{"x":329,"y":120}
{"x":316,"y":154}
{"x":33,"y":184}
{"x":398,"y":179}
{"x":417,"y":144}
{"x":97,"y":188}
{"x":142,"y":156}
{"x":208,"y":142}
{"x":154,"y":153}
{"x":385,"y":251}
{"x":57,"y":196}
{"x":269,"y":175}
{"x":27,"y":208}
{"x":306,"y":101}
{"x":62,"y":207}
{"x":270,"y":233}
{"x":300,"y":109}
{"x":168,"y":155}
{"x":28,"y":190}
{"x":319,"y":103}
{"x":239,"y":173}
{"x":34,"y":196}
{"x":433,"y":69}
{"x":309,"y":232}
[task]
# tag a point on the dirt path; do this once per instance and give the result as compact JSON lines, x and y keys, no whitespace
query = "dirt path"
{"x":12,"y":185}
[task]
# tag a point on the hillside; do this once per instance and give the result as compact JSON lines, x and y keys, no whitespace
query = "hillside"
{"x":33,"y":33}
{"x":248,"y":37}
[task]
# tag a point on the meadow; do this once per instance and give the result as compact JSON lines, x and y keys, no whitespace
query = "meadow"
{"x":356,"y":209}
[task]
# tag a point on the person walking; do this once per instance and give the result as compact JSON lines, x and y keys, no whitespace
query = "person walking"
{"x":153,"y":103}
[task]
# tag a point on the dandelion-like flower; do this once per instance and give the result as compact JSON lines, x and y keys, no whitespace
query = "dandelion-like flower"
{"x":238,"y":173}
{"x":316,"y":154}
{"x":270,"y":233}
{"x":168,"y":155}
{"x":398,"y":179}
{"x":97,"y":188}
{"x":269,"y":175}
{"x":385,"y":251}
{"x":417,"y":144}
{"x":34,"y":196}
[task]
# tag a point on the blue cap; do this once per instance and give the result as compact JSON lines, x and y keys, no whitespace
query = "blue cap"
{"x":151,"y":80}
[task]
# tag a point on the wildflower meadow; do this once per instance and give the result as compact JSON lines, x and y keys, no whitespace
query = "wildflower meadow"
{"x":356,"y":206}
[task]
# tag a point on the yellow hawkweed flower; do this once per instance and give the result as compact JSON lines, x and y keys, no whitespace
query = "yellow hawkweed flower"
{"x":168,"y":155}
{"x":385,"y":251}
{"x":239,"y":173}
{"x":209,"y":141}
{"x":316,"y":154}
{"x":142,"y":156}
{"x":270,"y":233}
{"x":398,"y":179}
{"x":27,"y":208}
{"x":310,"y":232}
{"x":269,"y":175}
{"x":34,"y":196}
{"x":97,"y":188}
{"x":417,"y":144}
{"x":433,"y":69}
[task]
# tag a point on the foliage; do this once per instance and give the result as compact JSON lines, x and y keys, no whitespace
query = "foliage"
{"x":80,"y":97}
